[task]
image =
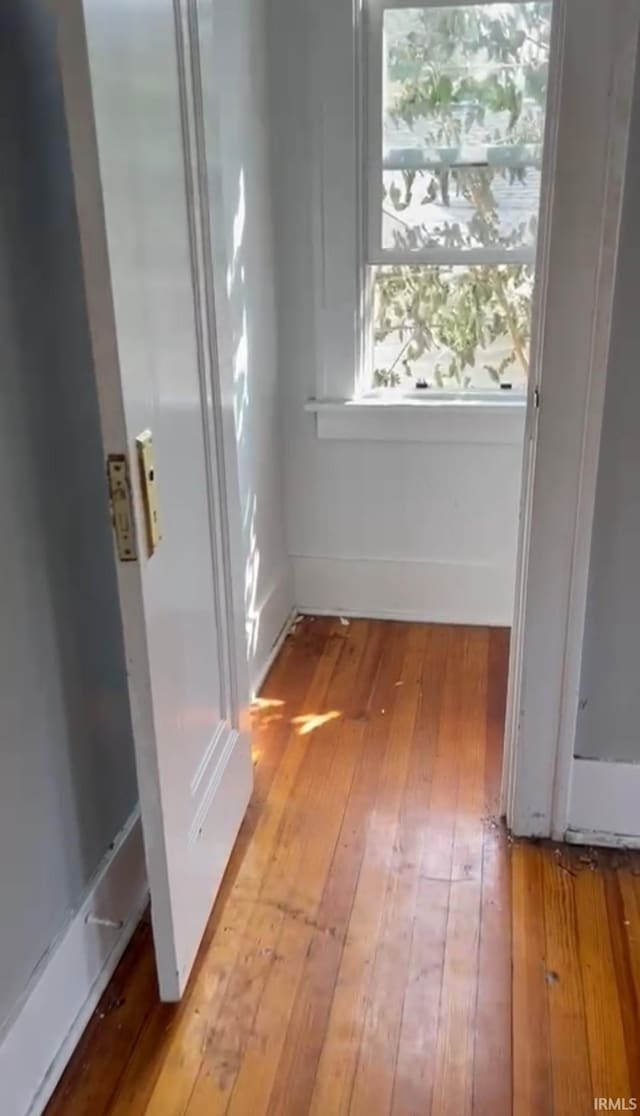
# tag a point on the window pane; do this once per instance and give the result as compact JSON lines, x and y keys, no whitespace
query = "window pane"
{"x":451,"y":327}
{"x":459,"y":209}
{"x":464,"y":92}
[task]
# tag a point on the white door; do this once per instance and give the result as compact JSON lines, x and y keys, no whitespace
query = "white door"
{"x":138,"y":147}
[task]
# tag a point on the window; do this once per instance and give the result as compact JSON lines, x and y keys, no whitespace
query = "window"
{"x":454,"y":108}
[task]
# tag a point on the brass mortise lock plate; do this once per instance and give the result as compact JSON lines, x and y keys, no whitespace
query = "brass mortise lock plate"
{"x":149,"y":489}
{"x":122,"y":507}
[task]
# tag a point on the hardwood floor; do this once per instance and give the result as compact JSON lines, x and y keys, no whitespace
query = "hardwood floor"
{"x":359,"y":958}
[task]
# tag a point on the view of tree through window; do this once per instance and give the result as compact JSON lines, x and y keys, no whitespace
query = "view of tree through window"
{"x":463,"y":100}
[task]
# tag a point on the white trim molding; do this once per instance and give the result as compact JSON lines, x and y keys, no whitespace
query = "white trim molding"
{"x":447,"y":420}
{"x":383,"y":589}
{"x":592,"y":74}
{"x":66,"y":987}
{"x":604,"y":805}
{"x":267,"y":623}
{"x":334,"y":81}
{"x":262,"y":665}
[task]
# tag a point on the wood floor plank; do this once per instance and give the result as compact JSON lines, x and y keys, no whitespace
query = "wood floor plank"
{"x":497,"y":675}
{"x":492,"y":1091}
{"x":624,"y":927}
{"x":338,"y":1062}
{"x":376,"y":1067}
{"x":532,"y":1084}
{"x":562,"y":979}
{"x":147,"y":1058}
{"x":415,"y":1066}
{"x":283,"y":696}
{"x":604,"y":1024}
{"x":453,"y":1081}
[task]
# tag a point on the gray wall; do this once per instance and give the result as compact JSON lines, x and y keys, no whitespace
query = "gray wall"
{"x":609,"y":718}
{"x":67,"y":779}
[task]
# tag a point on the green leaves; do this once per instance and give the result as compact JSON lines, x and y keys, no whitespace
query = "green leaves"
{"x":459,"y":313}
{"x":443,"y":63}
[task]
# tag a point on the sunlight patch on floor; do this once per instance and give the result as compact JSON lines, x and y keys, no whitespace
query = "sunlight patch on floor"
{"x":309,"y":722}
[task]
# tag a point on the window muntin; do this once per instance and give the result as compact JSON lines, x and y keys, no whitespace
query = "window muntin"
{"x":456,"y":103}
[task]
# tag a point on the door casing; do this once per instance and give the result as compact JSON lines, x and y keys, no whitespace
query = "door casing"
{"x":591,"y":94}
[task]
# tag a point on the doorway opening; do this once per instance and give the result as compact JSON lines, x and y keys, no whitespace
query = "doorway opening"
{"x":436,"y":387}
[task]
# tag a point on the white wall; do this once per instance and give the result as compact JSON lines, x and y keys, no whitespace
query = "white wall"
{"x":422,"y":531}
{"x":401,"y":529}
{"x":239,"y":31}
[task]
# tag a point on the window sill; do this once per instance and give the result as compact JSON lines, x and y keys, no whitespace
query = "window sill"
{"x":447,"y":419}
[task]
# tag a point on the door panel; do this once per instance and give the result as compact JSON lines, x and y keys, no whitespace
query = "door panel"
{"x":141,"y":200}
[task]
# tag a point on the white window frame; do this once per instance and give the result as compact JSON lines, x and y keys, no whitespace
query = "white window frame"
{"x":372,"y":161}
{"x":347,"y":41}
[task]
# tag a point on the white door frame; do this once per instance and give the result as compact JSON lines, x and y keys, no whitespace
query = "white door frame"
{"x":591,"y":90}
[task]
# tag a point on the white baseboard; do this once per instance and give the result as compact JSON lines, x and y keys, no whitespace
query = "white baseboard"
{"x":68,"y":984}
{"x":604,"y":805}
{"x":436,"y":592}
{"x":606,"y":840}
{"x":267,"y":627}
{"x":264,"y":667}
